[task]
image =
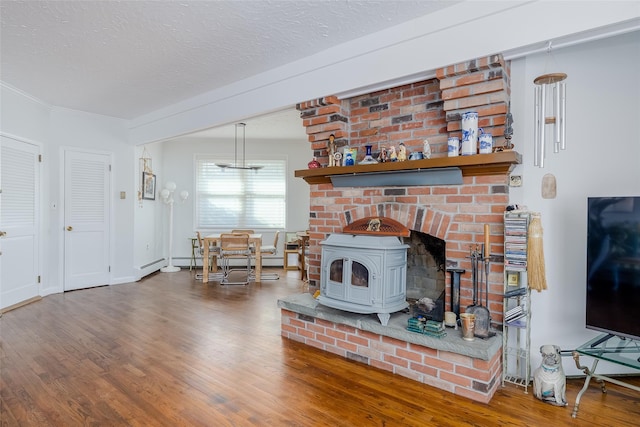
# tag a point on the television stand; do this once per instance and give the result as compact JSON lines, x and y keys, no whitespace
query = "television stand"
{"x":610,"y":348}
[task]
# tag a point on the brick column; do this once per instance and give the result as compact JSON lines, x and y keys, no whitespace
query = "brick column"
{"x":321,"y":118}
{"x":480,"y":85}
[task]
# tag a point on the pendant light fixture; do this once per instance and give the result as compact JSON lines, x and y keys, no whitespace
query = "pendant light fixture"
{"x":550,"y":96}
{"x":242,"y":164}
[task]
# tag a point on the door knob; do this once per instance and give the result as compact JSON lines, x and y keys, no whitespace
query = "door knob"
{"x":3,"y":233}
{"x":69,"y":228}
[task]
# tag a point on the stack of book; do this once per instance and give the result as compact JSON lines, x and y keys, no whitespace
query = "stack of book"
{"x":434,"y":329}
{"x":426,"y":327}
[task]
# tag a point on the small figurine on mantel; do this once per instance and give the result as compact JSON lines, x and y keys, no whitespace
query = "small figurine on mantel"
{"x":348,"y":159}
{"x":402,"y":152}
{"x":508,"y":131}
{"x":337,"y":157}
{"x":426,"y":150}
{"x":331,"y":150}
{"x":393,"y":157}
{"x":383,"y":157}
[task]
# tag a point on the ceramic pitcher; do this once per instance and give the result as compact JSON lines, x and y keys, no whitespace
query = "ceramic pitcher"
{"x":486,"y":143}
{"x":469,"y":133}
{"x":453,"y":146}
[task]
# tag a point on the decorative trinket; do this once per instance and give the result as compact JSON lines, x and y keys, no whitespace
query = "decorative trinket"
{"x":402,"y":152}
{"x":314,"y":164}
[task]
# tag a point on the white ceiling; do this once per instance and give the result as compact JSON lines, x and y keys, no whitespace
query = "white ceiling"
{"x":129,"y":58}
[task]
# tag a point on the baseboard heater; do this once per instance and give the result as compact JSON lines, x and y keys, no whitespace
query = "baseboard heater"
{"x":142,"y":267}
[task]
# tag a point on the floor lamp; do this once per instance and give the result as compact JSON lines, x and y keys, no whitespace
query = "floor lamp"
{"x":167,"y":197}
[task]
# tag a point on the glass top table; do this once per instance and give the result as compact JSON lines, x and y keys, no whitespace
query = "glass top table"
{"x":614,"y":349}
{"x":610,"y":348}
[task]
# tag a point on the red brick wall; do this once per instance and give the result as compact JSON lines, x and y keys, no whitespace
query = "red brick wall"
{"x":410,"y":114}
{"x":429,"y":109}
{"x":473,"y":378}
{"x":455,"y":214}
{"x":481,"y":85}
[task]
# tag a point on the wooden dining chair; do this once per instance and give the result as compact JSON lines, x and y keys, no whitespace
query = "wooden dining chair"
{"x":243,"y":231}
{"x":270,"y":250}
{"x":234,"y":246}
{"x":213,"y":253}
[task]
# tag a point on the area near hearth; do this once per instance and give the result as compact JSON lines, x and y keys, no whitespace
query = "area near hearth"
{"x":470,"y":369}
{"x":455,"y":212}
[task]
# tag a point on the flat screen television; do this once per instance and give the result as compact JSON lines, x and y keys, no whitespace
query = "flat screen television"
{"x":613,"y":266}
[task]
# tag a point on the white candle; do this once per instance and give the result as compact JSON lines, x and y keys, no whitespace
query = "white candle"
{"x":487,"y":244}
{"x":449,"y":318}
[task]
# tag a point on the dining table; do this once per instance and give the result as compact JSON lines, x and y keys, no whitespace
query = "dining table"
{"x":212,"y":240}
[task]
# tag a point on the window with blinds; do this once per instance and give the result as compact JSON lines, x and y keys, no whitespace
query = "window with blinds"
{"x":236,"y":198}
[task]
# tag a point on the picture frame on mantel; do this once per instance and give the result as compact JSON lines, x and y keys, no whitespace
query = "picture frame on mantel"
{"x":148,"y":186}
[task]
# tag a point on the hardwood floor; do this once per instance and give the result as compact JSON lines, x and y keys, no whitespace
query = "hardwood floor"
{"x":170,"y":351}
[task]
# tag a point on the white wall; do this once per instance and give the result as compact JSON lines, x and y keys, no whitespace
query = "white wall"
{"x":27,"y":119}
{"x":31,"y":120}
{"x":602,"y":159}
{"x":138,"y":242}
{"x":179,"y":157}
{"x":79,"y":130}
{"x":148,"y":246}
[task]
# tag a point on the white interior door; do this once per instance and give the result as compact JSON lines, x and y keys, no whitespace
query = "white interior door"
{"x":86,"y":219}
{"x":19,"y":221}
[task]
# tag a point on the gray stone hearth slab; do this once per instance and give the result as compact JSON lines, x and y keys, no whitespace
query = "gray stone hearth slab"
{"x":306,"y":305}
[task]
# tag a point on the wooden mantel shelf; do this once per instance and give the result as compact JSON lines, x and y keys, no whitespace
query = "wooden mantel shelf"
{"x":480,"y":164}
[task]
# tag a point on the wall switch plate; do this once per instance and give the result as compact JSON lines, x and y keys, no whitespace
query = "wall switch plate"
{"x":515,"y":181}
{"x":123,"y":195}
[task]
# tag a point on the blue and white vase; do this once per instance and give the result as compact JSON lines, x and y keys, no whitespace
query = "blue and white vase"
{"x":469,"y":133}
{"x":453,"y":146}
{"x":486,"y":143}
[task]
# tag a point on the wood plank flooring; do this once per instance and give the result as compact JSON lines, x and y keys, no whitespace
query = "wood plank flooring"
{"x":170,"y":351}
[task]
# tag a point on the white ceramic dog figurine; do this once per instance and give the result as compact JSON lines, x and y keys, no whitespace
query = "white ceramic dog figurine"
{"x":549,"y":381}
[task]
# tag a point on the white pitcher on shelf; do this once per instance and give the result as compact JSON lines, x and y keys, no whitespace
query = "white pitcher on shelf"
{"x":486,"y":142}
{"x":469,"y":133}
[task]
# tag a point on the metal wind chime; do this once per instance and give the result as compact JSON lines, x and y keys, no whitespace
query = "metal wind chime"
{"x":550,"y":97}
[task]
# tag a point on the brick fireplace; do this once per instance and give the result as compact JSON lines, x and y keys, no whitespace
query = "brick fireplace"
{"x":456,"y":214}
{"x":423,"y":110}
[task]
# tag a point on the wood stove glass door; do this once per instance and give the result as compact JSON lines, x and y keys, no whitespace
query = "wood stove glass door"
{"x":335,"y":285}
{"x":335,"y":271}
{"x":358,"y":289}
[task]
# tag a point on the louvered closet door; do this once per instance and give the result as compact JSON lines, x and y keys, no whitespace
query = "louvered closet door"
{"x":86,"y":219}
{"x":19,"y":208}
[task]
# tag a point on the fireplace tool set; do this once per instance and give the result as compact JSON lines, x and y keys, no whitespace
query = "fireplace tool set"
{"x":480,"y":282}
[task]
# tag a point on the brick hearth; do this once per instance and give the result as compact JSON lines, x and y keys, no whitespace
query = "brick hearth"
{"x":470,"y":369}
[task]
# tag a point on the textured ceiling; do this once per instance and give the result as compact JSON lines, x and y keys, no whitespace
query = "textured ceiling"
{"x":129,"y":58}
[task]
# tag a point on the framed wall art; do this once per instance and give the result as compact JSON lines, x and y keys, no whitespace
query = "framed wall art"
{"x":148,"y":186}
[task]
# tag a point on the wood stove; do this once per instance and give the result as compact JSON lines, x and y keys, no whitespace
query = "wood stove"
{"x":364,"y":274}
